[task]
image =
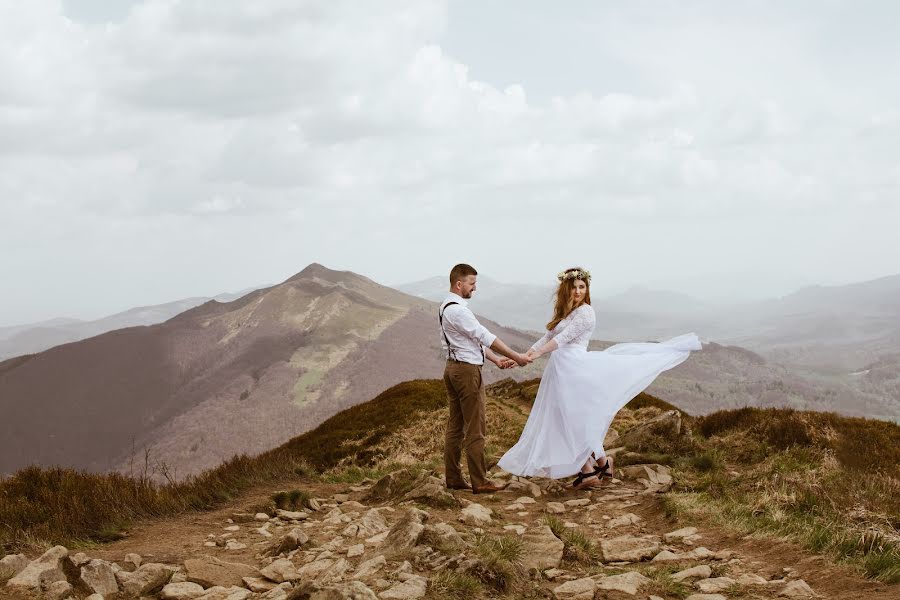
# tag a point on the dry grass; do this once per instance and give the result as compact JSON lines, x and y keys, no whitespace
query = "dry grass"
{"x":60,"y":506}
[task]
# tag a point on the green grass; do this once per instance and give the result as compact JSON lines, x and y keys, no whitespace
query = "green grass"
{"x":454,"y":586}
{"x":62,"y":506}
{"x":500,"y":561}
{"x":292,"y":500}
{"x":577,"y":547}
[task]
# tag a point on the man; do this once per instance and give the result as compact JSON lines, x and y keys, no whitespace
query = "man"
{"x":468,"y":344}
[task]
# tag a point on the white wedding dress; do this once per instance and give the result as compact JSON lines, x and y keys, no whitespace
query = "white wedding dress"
{"x":581,"y":392}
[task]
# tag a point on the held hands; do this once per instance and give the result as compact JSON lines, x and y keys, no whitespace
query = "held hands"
{"x":506,"y":363}
{"x":522,"y":359}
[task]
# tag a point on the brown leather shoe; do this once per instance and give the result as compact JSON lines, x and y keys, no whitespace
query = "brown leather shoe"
{"x":459,"y":486}
{"x":489,"y":488}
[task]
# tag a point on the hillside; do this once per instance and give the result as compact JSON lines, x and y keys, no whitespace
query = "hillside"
{"x":676,"y":523}
{"x":219,"y":379}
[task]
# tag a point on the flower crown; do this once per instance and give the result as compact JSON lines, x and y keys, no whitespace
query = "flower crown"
{"x":574,"y":274}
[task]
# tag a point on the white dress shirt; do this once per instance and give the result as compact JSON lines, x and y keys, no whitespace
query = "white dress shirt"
{"x":465,"y":334}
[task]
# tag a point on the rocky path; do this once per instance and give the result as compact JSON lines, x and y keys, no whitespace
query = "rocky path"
{"x":405,"y":536}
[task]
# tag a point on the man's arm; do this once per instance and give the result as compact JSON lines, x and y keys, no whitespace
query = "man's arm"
{"x":465,"y":322}
{"x":501,"y":362}
{"x":499,"y":346}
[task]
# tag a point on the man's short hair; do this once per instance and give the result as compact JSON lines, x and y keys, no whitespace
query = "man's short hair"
{"x":461,"y":270}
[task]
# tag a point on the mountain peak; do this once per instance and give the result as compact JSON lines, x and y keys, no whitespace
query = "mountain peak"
{"x":317,"y":271}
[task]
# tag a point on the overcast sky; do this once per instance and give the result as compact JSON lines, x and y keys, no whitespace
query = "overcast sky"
{"x":154,"y":150}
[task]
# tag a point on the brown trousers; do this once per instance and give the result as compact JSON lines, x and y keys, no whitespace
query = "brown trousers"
{"x":465,"y":425}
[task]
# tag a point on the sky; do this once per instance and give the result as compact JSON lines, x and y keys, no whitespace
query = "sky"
{"x":161,"y":149}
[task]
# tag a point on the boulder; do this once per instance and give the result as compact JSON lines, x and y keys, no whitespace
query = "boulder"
{"x":541,"y":549}
{"x":12,"y":564}
{"x":714,"y":584}
{"x":99,"y":578}
{"x":147,"y":579}
{"x":476,"y":515}
{"x":53,"y":565}
{"x":433,"y":493}
{"x":627,"y":548}
{"x":680,"y":534}
{"x":280,"y":571}
{"x":181,"y":591}
{"x":414,"y":587}
{"x":796,"y":589}
{"x":555,"y":508}
{"x":698,"y":572}
{"x":579,"y":589}
{"x":393,"y":485}
{"x":226,"y":593}
{"x":628,"y":583}
{"x":58,"y":590}
{"x":351,"y":590}
{"x":370,"y":524}
{"x":209,"y":571}
{"x":369,"y":567}
{"x":291,"y":541}
{"x":626,"y":519}
{"x":405,"y":533}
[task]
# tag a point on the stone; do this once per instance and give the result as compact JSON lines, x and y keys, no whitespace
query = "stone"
{"x":79,"y":559}
{"x":475,"y":514}
{"x":181,"y":591}
{"x":555,"y":508}
{"x":406,"y":532}
{"x":291,"y":515}
{"x":751,"y":579}
{"x":715,"y":584}
{"x":315,"y":568}
{"x":351,"y":590}
{"x":541,"y":549}
{"x":232,"y":528}
{"x":261,"y":516}
{"x":627,"y":548}
{"x":667,"y":555}
{"x":132,"y":561}
{"x":94,"y":597}
{"x":226,"y":593}
{"x":579,"y":589}
{"x":514,"y":506}
{"x":260,"y":584}
{"x":291,"y":541}
{"x":525,"y":500}
{"x":446,"y":533}
{"x":99,"y":577}
{"x":369,"y":524}
{"x":209,"y":572}
{"x":700,"y":553}
{"x":341,"y":498}
{"x":577,"y":502}
{"x":234,"y":545}
{"x":13,"y":564}
{"x":335,"y":572}
{"x":433,"y":493}
{"x":38,"y":574}
{"x":628,"y":583}
{"x":706,"y":597}
{"x":356,"y":550}
{"x":525,"y":486}
{"x":147,"y":579}
{"x":626,"y":519}
{"x":796,"y":589}
{"x":517,"y":529}
{"x":680,"y":534}
{"x":392,"y":485}
{"x":58,"y":590}
{"x":698,"y":572}
{"x":414,"y":587}
{"x":369,"y":567}
{"x":280,"y":570}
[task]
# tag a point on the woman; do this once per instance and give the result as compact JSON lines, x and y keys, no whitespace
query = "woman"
{"x":581,"y":391}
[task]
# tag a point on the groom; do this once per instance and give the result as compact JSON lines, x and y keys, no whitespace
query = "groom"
{"x":468,"y":344}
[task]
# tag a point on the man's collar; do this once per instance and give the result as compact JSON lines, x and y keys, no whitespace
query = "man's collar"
{"x":457,"y":298}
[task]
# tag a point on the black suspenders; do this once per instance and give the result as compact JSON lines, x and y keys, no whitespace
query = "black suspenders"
{"x":450,"y":353}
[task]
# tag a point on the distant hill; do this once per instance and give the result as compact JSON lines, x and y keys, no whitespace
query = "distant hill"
{"x":221,"y":378}
{"x":35,"y":337}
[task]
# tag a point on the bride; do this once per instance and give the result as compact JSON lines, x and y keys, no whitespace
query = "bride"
{"x":581,"y":391}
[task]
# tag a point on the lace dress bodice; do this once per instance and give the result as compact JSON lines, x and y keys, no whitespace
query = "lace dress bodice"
{"x":576,"y":328}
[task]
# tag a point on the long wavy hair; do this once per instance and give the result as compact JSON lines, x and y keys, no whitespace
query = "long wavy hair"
{"x":565,"y":299}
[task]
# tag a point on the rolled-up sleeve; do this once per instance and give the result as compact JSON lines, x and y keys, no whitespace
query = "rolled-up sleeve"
{"x":465,"y":322}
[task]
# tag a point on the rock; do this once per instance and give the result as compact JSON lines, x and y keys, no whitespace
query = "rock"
{"x":94,"y":597}
{"x":475,"y":514}
{"x":315,"y":568}
{"x":579,"y":589}
{"x":392,"y":485}
{"x":706,"y":597}
{"x":260,"y":584}
{"x":627,"y":548}
{"x":626,"y":519}
{"x":226,"y":593}
{"x":446,"y":533}
{"x":58,"y":590}
{"x":291,"y":515}
{"x":667,"y":424}
{"x":628,"y":583}
{"x":147,"y":579}
{"x":525,"y":500}
{"x":680,"y":534}
{"x":356,"y":550}
{"x":698,"y":572}
{"x":716,"y":584}
{"x":232,"y":528}
{"x":405,"y":533}
{"x":181,"y":591}
{"x":352,"y":590}
{"x":209,"y":571}
{"x":517,"y":529}
{"x":751,"y":579}
{"x":369,"y":567}
{"x":291,"y":541}
{"x":132,"y":562}
{"x":234,"y":545}
{"x":667,"y":555}
{"x":279,"y":592}
{"x":541,"y":549}
{"x":433,"y":493}
{"x":99,"y":578}
{"x":12,"y":564}
{"x":341,"y":498}
{"x":555,"y":508}
{"x":525,"y":486}
{"x":369,"y":524}
{"x":577,"y":502}
{"x":280,"y":570}
{"x":261,"y":516}
{"x":514,"y":506}
{"x":414,"y":587}
{"x":40,"y":573}
{"x":796,"y":589}
{"x":80,"y":559}
{"x":335,"y":572}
